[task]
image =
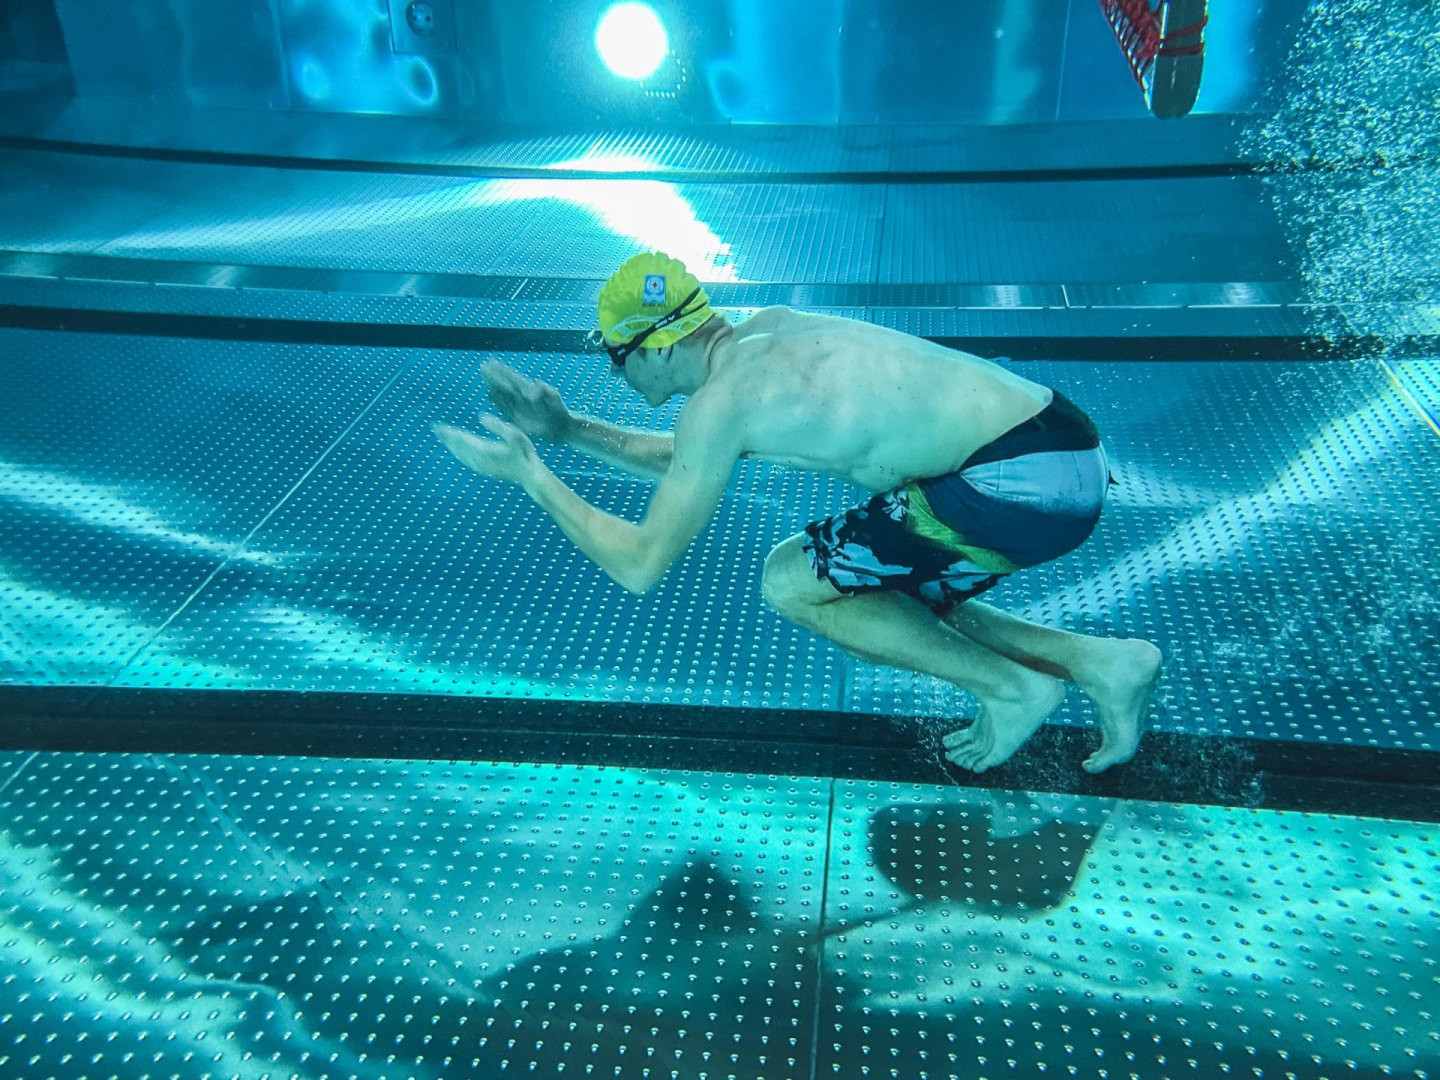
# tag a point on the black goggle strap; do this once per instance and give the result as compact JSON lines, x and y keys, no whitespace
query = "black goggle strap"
{"x":618,"y":353}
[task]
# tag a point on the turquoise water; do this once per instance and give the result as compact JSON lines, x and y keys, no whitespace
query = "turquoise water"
{"x":323,"y":758}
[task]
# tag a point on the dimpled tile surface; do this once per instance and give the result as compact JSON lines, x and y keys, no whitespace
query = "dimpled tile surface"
{"x":1079,"y":231}
{"x":205,"y":916}
{"x":134,"y":468}
{"x":1420,"y":380}
{"x":985,"y":233}
{"x":985,"y":933}
{"x":199,"y":916}
{"x":394,"y":568}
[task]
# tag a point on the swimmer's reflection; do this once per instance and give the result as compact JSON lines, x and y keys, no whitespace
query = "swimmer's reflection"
{"x":954,"y":853}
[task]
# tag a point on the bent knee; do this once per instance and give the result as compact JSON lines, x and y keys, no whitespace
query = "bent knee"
{"x":789,"y":584}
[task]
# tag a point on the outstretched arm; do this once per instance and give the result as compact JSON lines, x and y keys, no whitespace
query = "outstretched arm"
{"x":537,"y":409}
{"x":644,"y":453}
{"x":636,"y":556}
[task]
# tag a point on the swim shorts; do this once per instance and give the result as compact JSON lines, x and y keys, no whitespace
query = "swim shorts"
{"x":1032,"y":495}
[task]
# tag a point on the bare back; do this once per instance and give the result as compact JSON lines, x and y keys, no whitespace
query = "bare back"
{"x":872,"y":405}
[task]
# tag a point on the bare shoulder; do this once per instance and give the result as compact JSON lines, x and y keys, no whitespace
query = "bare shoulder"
{"x":772,"y":320}
{"x":711,"y":422}
{"x":762,"y":320}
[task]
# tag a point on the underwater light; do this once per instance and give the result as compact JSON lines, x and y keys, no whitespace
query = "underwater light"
{"x":631,"y":40}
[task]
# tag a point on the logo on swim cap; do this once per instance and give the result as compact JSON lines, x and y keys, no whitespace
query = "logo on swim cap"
{"x":642,"y":292}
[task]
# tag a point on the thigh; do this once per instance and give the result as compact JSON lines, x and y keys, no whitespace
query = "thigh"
{"x":790,"y":579}
{"x":874,"y":546}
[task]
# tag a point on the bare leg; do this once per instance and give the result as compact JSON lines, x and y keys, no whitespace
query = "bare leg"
{"x":1119,"y":676}
{"x":898,"y":630}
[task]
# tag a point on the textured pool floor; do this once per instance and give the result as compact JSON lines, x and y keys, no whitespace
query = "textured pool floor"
{"x":192,"y":915}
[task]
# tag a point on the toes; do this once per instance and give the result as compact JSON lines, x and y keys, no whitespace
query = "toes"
{"x":978,"y":763}
{"x":971,"y":756}
{"x":965,"y":761}
{"x":1102,"y":760}
{"x":957,"y":740}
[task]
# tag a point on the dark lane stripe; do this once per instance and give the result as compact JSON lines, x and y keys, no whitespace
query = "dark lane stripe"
{"x":688,"y":176}
{"x":1171,"y":768}
{"x":510,"y":339}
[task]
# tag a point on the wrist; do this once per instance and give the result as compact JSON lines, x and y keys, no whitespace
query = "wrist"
{"x":568,"y":428}
{"x":533,"y":478}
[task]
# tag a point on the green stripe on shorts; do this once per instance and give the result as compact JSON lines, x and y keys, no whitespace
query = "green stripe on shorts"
{"x":926,"y":524}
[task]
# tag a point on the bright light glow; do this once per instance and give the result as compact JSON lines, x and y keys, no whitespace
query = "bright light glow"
{"x":654,"y":214}
{"x":631,"y":40}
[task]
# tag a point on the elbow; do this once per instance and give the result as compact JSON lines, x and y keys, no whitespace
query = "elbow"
{"x":641,"y":578}
{"x":645,"y":567}
{"x":639,"y":584}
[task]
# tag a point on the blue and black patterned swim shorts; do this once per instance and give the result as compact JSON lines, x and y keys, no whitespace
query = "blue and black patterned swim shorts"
{"x":1030,"y":496}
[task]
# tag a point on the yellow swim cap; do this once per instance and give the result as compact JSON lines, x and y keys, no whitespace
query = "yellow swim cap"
{"x":646,"y":289}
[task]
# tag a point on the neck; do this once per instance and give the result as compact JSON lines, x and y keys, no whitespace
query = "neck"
{"x":712,"y":352}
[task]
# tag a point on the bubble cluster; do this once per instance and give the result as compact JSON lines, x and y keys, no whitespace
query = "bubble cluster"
{"x":1350,"y":157}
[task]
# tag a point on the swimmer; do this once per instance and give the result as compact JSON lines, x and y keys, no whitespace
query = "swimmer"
{"x":977,"y":473}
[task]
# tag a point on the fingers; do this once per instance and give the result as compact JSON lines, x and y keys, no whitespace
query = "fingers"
{"x":511,"y":392}
{"x":510,"y":434}
{"x":498,"y":378}
{"x":492,"y":424}
{"x":498,"y":375}
{"x":505,"y":386}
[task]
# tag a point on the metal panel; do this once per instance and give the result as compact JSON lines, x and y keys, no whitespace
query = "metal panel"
{"x":1184,"y":294}
{"x":1420,"y":379}
{"x":176,"y":51}
{"x":574,"y":228}
{"x":11,"y":762}
{"x":1253,"y":482}
{"x":98,"y":201}
{"x":820,"y":234}
{"x":569,"y":303}
{"x":756,"y":150}
{"x":217,"y":302}
{"x":1074,"y":144}
{"x":907,"y":62}
{"x":1113,"y":231}
{"x":394,"y":568}
{"x":585,"y":228}
{"x":238,"y":215}
{"x":343,"y":58}
{"x":1217,"y":328}
{"x":188,"y":916}
{"x":800,"y":233}
{"x":134,"y":468}
{"x":526,"y":314}
{"x":473,"y":921}
{"x":759,"y":151}
{"x":973,"y":933}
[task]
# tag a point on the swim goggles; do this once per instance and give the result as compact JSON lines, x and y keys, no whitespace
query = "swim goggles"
{"x":620,"y":353}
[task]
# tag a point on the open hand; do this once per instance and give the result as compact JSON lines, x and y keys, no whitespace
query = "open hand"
{"x":512,"y":458}
{"x":534,"y":407}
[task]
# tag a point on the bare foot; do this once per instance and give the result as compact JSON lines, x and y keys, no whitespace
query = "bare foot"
{"x":1004,"y":725}
{"x":1121,"y":685}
